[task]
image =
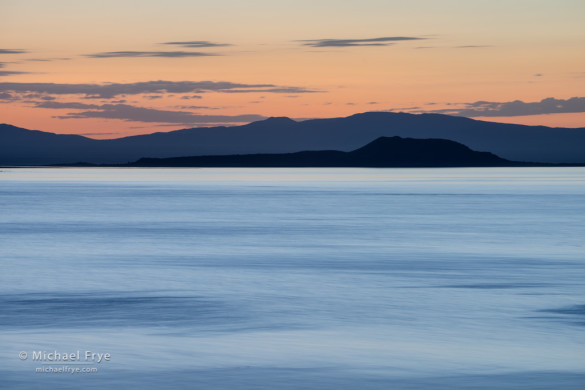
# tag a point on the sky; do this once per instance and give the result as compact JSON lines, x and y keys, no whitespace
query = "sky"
{"x":108,"y":69}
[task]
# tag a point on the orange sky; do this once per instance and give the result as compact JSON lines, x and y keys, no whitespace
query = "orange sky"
{"x":302,"y":59}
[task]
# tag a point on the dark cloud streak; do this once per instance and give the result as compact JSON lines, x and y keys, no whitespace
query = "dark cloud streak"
{"x":382,"y":41}
{"x":273,"y":90}
{"x":112,"y":90}
{"x":139,"y":54}
{"x":191,"y":97}
{"x":149,"y":115}
{"x":11,"y":72}
{"x":12,"y":51}
{"x":66,"y":105}
{"x":517,"y":108}
{"x":196,"y":44}
{"x":47,"y":59}
{"x":472,"y":46}
{"x":6,"y":96}
{"x":131,"y":113}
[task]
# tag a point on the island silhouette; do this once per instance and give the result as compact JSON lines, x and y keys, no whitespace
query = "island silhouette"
{"x":382,"y":152}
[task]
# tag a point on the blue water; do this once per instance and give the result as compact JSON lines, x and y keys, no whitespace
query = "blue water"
{"x":294,"y":278}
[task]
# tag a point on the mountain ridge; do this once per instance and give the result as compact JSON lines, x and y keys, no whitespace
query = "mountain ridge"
{"x":283,"y":135}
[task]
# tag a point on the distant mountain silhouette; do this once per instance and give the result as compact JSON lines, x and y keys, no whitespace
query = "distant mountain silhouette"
{"x":383,"y":152}
{"x":283,"y":135}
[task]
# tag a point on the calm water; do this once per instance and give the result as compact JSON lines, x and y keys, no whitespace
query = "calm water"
{"x":294,"y":278}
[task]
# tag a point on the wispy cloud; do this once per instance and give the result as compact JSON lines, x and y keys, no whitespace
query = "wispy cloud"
{"x":33,"y":98}
{"x":113,"y":90}
{"x":167,"y":54}
{"x":37,"y":96}
{"x":12,"y":51}
{"x":382,"y":41}
{"x":196,"y":44}
{"x":472,"y":46}
{"x":66,"y":105}
{"x":191,"y":97}
{"x":131,"y":113}
{"x":47,"y":59}
{"x":11,"y":72}
{"x":197,"y":108}
{"x":516,"y":108}
{"x":274,"y":90}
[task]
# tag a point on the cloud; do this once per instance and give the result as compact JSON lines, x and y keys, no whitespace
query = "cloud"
{"x":382,"y":41}
{"x":197,"y":108}
{"x":131,"y":113}
{"x":25,"y":98}
{"x":274,"y":90}
{"x":196,"y":44}
{"x":168,"y":54}
{"x":12,"y":51}
{"x":472,"y":46}
{"x":6,"y":96}
{"x":112,"y":90}
{"x":517,"y":108}
{"x":63,"y":105}
{"x":35,"y":97}
{"x":141,"y":114}
{"x":47,"y":59}
{"x":191,"y":97}
{"x":11,"y":72}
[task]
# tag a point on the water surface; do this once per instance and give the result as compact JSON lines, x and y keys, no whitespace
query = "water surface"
{"x":295,"y":278}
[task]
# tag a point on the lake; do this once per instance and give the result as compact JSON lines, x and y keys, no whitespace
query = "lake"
{"x":467,"y":278}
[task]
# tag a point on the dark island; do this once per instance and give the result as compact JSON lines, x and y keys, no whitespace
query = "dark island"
{"x":383,"y":152}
